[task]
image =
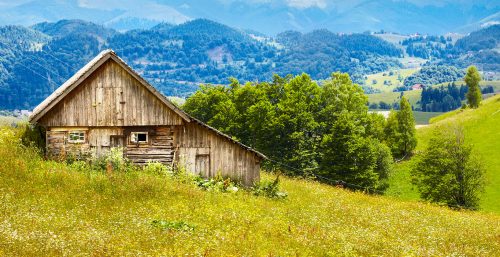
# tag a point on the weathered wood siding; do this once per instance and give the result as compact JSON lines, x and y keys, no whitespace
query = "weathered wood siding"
{"x":58,"y":146}
{"x":100,"y":139}
{"x":198,"y":145}
{"x":160,"y":146}
{"x":110,"y":97}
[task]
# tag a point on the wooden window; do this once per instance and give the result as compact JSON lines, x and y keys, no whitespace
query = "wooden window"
{"x":139,"y":137}
{"x":76,"y":137}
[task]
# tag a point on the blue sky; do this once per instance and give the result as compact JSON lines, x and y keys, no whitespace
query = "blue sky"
{"x":268,"y":16}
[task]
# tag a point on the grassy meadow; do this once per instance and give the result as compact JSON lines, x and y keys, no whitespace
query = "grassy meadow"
{"x":390,"y":97}
{"x":50,"y":208}
{"x":482,"y":129}
{"x":424,"y":118}
{"x":392,"y":80}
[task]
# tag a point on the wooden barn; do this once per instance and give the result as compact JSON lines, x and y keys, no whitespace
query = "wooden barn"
{"x":107,"y":104}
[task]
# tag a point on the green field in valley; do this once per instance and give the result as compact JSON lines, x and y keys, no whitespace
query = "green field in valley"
{"x":424,"y":118}
{"x":392,"y":79}
{"x":482,"y":129}
{"x":392,"y":97}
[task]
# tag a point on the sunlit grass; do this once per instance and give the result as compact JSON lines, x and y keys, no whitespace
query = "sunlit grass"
{"x":49,"y":208}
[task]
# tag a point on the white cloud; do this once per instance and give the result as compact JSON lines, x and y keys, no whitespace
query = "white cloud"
{"x":145,"y":9}
{"x":302,"y":4}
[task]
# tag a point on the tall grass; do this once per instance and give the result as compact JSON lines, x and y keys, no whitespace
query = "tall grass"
{"x":50,"y":208}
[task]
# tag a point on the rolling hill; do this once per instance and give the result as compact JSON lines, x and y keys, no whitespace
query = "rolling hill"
{"x":66,"y":209}
{"x":481,"y":129}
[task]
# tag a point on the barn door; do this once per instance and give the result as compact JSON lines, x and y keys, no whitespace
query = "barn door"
{"x":102,"y":139}
{"x":202,"y":165}
{"x":117,"y":141}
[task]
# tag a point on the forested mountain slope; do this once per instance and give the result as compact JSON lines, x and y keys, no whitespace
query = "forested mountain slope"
{"x":177,"y":58}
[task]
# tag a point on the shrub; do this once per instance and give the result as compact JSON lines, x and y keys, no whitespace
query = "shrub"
{"x":217,"y":184}
{"x":157,"y":168}
{"x":449,"y":171}
{"x":113,"y":159}
{"x":33,"y":135}
{"x":269,"y":189}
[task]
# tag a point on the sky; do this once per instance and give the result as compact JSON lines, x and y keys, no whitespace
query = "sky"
{"x":268,"y":16}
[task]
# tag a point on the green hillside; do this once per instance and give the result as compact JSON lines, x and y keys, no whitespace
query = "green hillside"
{"x":482,"y":130}
{"x":387,"y":81}
{"x":50,"y":208}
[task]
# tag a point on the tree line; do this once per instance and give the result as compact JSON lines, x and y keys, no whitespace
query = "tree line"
{"x":319,"y":130}
{"x":325,"y":131}
{"x":446,"y":98}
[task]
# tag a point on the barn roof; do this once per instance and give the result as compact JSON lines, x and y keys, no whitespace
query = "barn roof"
{"x":93,"y":65}
{"x":85,"y":72}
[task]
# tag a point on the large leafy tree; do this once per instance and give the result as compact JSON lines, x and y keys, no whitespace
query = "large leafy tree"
{"x":351,"y":155}
{"x":314,"y":129}
{"x":449,"y":171}
{"x":472,"y":79}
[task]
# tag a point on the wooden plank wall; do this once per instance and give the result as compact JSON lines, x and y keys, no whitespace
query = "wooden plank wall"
{"x":59,"y":148}
{"x":100,"y":141}
{"x":110,"y":97}
{"x":160,"y":146}
{"x":189,"y":144}
{"x":226,"y":157}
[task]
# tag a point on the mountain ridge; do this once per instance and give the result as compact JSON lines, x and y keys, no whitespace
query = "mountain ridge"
{"x":354,"y":16}
{"x":177,"y":58}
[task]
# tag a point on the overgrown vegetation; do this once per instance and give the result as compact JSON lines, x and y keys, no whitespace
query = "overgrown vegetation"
{"x":52,"y":208}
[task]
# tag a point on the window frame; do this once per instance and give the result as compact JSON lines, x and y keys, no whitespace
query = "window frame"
{"x":82,"y":137}
{"x":139,"y":142}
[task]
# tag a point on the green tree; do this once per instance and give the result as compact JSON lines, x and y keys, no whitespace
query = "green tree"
{"x":347,"y":154}
{"x":448,"y":171}
{"x":406,"y":128}
{"x":295,"y":121}
{"x":400,"y":132}
{"x":472,"y":79}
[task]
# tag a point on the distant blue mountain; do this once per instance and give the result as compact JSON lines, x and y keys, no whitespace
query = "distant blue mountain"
{"x":270,"y":17}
